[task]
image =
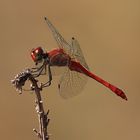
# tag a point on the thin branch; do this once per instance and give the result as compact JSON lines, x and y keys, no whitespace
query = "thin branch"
{"x":19,"y":82}
{"x":43,"y":119}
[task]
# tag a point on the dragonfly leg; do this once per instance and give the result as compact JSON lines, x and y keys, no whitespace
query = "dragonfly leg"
{"x":38,"y":71}
{"x":50,"y":78}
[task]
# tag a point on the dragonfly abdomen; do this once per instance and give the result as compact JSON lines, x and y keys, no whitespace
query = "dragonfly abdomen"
{"x":76,"y":66}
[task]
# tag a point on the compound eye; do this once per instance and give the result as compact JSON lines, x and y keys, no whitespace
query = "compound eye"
{"x":36,"y":51}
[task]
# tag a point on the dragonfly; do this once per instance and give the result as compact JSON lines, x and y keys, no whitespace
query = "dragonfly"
{"x":70,"y":57}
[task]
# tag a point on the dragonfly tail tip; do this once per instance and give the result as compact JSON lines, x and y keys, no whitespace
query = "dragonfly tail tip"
{"x":126,"y":99}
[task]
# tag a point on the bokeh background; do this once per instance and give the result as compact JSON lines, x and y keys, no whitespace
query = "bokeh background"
{"x":109,"y":35}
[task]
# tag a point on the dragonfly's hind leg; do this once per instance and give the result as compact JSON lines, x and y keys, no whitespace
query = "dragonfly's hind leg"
{"x":50,"y":78}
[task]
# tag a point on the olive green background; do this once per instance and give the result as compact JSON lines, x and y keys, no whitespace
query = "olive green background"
{"x":109,"y":35}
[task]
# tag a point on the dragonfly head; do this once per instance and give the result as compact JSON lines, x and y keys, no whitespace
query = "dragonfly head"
{"x":38,"y":55}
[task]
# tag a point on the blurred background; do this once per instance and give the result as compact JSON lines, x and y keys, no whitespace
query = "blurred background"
{"x":109,"y":35}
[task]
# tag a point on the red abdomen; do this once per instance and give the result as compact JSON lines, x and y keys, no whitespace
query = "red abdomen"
{"x":76,"y":66}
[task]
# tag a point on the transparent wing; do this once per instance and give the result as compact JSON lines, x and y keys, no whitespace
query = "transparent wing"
{"x":59,"y":39}
{"x":56,"y":71}
{"x":73,"y":50}
{"x":71,"y":83}
{"x":78,"y":54}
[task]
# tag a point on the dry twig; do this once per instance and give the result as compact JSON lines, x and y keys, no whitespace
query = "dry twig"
{"x":19,"y":82}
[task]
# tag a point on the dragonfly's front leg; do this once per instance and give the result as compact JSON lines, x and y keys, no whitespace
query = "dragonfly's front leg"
{"x":38,"y":71}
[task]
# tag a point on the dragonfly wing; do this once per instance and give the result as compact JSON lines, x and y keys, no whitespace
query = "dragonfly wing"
{"x":78,"y":54}
{"x":56,"y":71}
{"x":71,"y":83}
{"x":58,"y":37}
{"x":73,"y":50}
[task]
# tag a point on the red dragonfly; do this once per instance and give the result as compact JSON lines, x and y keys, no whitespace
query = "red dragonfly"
{"x":70,"y":57}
